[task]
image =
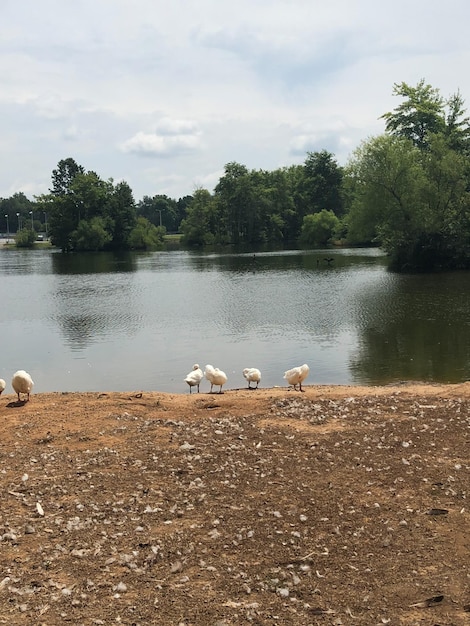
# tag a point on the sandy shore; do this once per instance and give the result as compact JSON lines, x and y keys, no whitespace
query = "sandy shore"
{"x":340,"y":505}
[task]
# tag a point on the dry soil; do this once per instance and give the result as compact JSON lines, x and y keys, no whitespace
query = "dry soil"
{"x":336,"y":506}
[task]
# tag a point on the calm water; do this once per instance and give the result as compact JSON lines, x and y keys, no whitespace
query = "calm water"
{"x":140,"y":321}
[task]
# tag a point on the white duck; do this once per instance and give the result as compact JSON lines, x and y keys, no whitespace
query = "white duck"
{"x":296,"y":375}
{"x":22,"y":383}
{"x":194,"y":377}
{"x":252,"y":375}
{"x":215,"y":376}
{"x":2,"y":385}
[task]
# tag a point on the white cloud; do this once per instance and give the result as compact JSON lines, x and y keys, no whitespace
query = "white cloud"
{"x":151,"y":144}
{"x":172,"y":137}
{"x":194,"y":85}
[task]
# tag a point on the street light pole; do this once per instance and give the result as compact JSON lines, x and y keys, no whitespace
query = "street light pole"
{"x":32,"y":223}
{"x":45,"y":221}
{"x":8,"y":227}
{"x":160,"y":212}
{"x":19,"y":222}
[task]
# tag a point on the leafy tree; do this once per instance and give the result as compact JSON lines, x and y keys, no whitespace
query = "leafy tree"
{"x":387,"y":176}
{"x":322,"y":182}
{"x":417,"y":203}
{"x":91,"y":235}
{"x":198,"y":227}
{"x":275,"y":205}
{"x":17,"y":207}
{"x":424,"y":113}
{"x":145,"y":235}
{"x":161,"y":211}
{"x":76,"y":199}
{"x":63,"y":176}
{"x":61,"y":205}
{"x":295,"y":178}
{"x":318,"y":229}
{"x":236,"y":202}
{"x":421,"y":113}
{"x":181,"y":208}
{"x":121,"y":212}
{"x":457,"y":129}
{"x":25,"y":238}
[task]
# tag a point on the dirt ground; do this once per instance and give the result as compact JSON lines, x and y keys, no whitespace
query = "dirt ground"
{"x":336,"y":506}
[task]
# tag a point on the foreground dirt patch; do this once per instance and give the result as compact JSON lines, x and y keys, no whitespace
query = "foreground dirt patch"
{"x":340,"y":505}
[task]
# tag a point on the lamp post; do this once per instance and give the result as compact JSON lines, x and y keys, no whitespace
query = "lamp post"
{"x":160,"y":212}
{"x":32,"y":223}
{"x":45,"y":221}
{"x":19,"y":221}
{"x":8,"y":226}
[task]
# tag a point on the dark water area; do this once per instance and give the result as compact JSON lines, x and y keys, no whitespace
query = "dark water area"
{"x":138,"y":321}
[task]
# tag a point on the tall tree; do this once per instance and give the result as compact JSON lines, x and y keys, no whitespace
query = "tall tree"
{"x":457,"y":128}
{"x":63,"y":175}
{"x":387,"y":176}
{"x":16,"y":210}
{"x":198,"y":227}
{"x":322,"y":183}
{"x":420,"y":114}
{"x":416,"y":202}
{"x":236,"y":201}
{"x":121,"y":213}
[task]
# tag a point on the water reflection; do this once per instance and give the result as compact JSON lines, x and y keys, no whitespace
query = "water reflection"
{"x":287,"y":260}
{"x":414,"y":328}
{"x":140,"y":320}
{"x":94,"y":306}
{"x":93,"y":262}
{"x":19,"y":261}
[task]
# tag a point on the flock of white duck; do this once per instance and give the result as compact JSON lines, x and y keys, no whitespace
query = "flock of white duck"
{"x":217,"y":377}
{"x":22,"y":382}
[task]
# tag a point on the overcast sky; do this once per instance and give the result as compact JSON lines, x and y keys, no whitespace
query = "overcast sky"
{"x":163,"y":93}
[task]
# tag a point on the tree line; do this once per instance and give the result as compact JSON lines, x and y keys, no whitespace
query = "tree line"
{"x":406,"y":190}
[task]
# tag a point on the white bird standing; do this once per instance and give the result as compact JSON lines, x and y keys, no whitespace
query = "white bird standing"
{"x":215,"y":376}
{"x":22,"y":383}
{"x":252,"y":375}
{"x":194,"y":377}
{"x":2,"y":385}
{"x":296,"y":375}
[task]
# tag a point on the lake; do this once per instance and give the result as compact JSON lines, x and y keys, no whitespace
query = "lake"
{"x":138,"y":321}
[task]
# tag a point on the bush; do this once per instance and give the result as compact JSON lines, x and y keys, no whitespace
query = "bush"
{"x":25,"y":238}
{"x":146,"y":236}
{"x":319,"y":228}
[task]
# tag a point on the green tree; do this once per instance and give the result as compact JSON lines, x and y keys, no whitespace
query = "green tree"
{"x":91,"y":235}
{"x":63,"y":176}
{"x":322,"y":183}
{"x":76,"y":199}
{"x":237,"y":203}
{"x":295,"y":177}
{"x":161,"y":211}
{"x":318,"y":229}
{"x":387,"y":175}
{"x":145,"y":235}
{"x":457,"y":129}
{"x":416,"y":202}
{"x":425,"y":113}
{"x":60,"y":204}
{"x":121,"y":212}
{"x":274,"y":206}
{"x":419,"y":115}
{"x":198,"y":226}
{"x":17,"y":207}
{"x":25,"y":238}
